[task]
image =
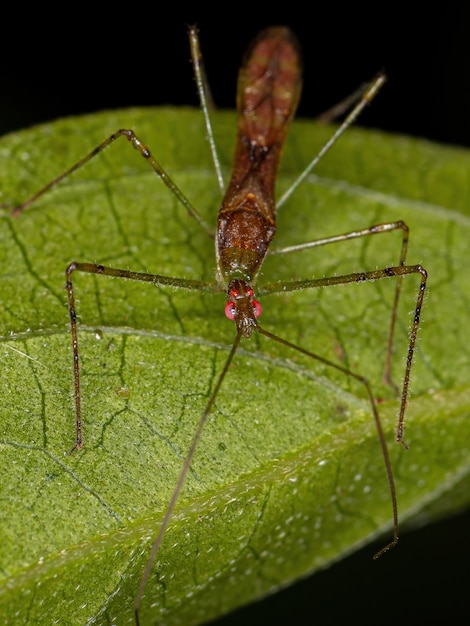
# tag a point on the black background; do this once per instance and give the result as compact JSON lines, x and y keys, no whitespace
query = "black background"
{"x":74,"y":60}
{"x":61,"y":64}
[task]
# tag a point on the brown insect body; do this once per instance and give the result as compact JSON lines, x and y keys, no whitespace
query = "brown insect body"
{"x":269,"y":86}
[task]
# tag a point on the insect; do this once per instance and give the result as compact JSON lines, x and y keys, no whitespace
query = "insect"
{"x":268,"y":92}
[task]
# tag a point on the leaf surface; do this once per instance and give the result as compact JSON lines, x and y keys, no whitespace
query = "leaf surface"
{"x":289,"y":475}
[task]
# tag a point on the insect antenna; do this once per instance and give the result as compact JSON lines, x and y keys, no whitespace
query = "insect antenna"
{"x":182,"y":476}
{"x":380,"y":433}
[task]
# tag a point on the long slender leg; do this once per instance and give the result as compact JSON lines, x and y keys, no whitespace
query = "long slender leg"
{"x":92,"y":268}
{"x":138,"y":145}
{"x":377,"y":229}
{"x":367,"y":97}
{"x":205,"y":100}
{"x":390,"y":272}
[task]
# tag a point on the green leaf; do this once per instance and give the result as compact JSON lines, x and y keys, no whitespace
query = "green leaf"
{"x":289,"y":475}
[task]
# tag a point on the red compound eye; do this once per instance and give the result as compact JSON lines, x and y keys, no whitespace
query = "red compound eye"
{"x":230,"y":309}
{"x":235,"y":293}
{"x":249,"y":292}
{"x":257,"y":308}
